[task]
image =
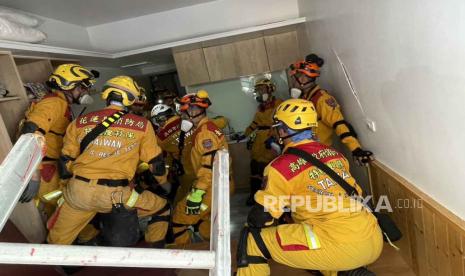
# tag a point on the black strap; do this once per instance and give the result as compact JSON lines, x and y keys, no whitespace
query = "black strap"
{"x":260,"y":243}
{"x":351,"y":132}
{"x":311,"y":159}
{"x":100,"y":128}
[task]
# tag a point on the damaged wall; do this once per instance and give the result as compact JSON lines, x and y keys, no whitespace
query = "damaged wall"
{"x":405,"y":59}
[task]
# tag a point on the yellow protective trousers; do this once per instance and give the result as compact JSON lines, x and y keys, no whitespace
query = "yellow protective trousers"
{"x":49,"y":183}
{"x":83,"y":200}
{"x":181,"y":221}
{"x":294,"y":246}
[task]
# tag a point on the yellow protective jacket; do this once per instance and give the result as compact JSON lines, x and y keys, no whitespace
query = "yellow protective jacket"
{"x":289,"y":178}
{"x":52,"y":115}
{"x":330,"y":117}
{"x":207,"y":140}
{"x":262,"y":123}
{"x":115,"y":153}
{"x":168,"y":139}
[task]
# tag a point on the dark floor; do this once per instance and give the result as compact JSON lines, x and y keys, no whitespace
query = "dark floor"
{"x":390,"y":263}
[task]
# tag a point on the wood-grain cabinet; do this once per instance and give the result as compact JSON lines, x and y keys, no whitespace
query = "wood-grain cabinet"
{"x":269,"y":52}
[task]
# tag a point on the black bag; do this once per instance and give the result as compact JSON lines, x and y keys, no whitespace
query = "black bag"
{"x":391,"y":232}
{"x":120,"y":227}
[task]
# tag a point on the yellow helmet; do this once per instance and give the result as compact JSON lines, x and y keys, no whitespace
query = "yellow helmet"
{"x":296,"y":114}
{"x":267,"y":82}
{"x":123,"y":86}
{"x":68,"y":76}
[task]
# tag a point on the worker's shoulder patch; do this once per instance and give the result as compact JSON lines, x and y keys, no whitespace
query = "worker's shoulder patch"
{"x":207,"y":144}
{"x":331,"y":101}
{"x":213,"y":128}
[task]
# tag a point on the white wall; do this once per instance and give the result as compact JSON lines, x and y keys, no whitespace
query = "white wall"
{"x":64,"y":34}
{"x":192,"y":21}
{"x":406,"y":60}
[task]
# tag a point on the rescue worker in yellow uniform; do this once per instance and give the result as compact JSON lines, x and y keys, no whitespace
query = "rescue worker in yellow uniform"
{"x":207,"y":139}
{"x":70,"y":83}
{"x":322,"y":237}
{"x":176,"y":142}
{"x":260,"y":130}
{"x":100,"y":155}
{"x":303,"y":75}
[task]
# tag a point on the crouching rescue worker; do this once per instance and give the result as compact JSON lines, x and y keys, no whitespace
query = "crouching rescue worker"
{"x":70,"y":83}
{"x":194,"y":210}
{"x":260,"y":129}
{"x":322,"y":237}
{"x":100,"y":155}
{"x":176,"y":142}
{"x":303,"y":76}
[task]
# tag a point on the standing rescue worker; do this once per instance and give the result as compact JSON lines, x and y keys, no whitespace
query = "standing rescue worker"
{"x":260,"y":130}
{"x":303,"y":76}
{"x":177,"y":144}
{"x":105,"y":166}
{"x":70,"y":83}
{"x":194,"y":210}
{"x":325,"y":239}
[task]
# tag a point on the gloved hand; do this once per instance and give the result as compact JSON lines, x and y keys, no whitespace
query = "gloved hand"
{"x":194,"y":202}
{"x":31,"y":191}
{"x":269,"y":141}
{"x":362,"y":157}
{"x":166,"y":187}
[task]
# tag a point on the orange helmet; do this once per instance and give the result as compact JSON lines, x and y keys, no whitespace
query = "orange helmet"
{"x":310,"y":69}
{"x":199,"y":99}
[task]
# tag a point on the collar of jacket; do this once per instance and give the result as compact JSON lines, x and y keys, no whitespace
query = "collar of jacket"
{"x":308,"y":95}
{"x":295,"y":144}
{"x":115,"y":107}
{"x":264,"y":106}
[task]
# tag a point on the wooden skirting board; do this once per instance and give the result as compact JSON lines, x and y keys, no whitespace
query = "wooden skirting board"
{"x":433,"y":240}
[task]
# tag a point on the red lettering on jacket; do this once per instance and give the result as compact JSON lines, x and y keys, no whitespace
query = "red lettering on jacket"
{"x":289,"y":166}
{"x":169,"y":129}
{"x":128,"y":121}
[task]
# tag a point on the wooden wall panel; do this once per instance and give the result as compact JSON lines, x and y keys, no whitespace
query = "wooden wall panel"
{"x":34,"y":70}
{"x":12,"y":111}
{"x":251,"y":56}
{"x":221,"y":62}
{"x":433,"y":240}
{"x":191,"y":67}
{"x":282,"y":50}
{"x":241,"y":58}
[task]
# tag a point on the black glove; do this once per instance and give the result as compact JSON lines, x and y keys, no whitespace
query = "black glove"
{"x":31,"y":191}
{"x":269,"y":141}
{"x":258,"y":217}
{"x":362,"y":157}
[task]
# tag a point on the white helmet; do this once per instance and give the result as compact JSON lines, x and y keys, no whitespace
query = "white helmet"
{"x":160,"y":113}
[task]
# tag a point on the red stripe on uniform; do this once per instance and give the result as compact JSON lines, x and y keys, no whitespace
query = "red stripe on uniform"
{"x":129,"y":121}
{"x":290,"y":247}
{"x":283,"y":163}
{"x":169,"y":129}
{"x":314,"y":99}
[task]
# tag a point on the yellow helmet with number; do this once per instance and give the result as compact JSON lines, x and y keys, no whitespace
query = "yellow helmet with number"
{"x":296,"y":114}
{"x":68,"y":76}
{"x":124,"y":88}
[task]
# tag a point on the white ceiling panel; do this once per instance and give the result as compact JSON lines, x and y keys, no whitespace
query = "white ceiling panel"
{"x":95,"y":12}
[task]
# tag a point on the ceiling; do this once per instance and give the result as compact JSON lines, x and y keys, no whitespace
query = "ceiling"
{"x":95,"y":12}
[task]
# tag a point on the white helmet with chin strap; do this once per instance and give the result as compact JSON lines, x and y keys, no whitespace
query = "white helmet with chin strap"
{"x":160,"y":113}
